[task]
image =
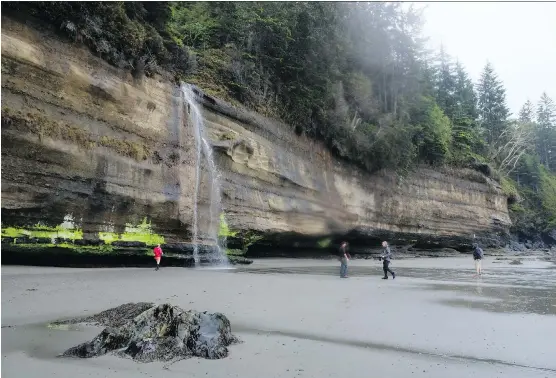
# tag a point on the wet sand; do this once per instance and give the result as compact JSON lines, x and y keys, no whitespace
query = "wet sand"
{"x":297,"y":318}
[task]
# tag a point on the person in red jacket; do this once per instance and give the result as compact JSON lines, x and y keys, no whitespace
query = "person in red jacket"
{"x":157,"y":255}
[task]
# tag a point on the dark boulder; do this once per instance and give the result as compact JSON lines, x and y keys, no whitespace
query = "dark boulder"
{"x":134,"y":244}
{"x":42,"y":240}
{"x":88,"y":242}
{"x":239,"y":260}
{"x":515,"y":246}
{"x":550,"y":237}
{"x":162,"y":333}
{"x":178,"y":248}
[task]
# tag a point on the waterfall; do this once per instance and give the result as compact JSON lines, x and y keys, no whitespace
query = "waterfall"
{"x":217,"y":253}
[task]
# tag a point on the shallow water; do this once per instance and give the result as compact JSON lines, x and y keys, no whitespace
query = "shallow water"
{"x":501,"y":290}
{"x":540,"y":277}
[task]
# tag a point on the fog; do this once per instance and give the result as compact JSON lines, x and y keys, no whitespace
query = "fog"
{"x":519,"y":39}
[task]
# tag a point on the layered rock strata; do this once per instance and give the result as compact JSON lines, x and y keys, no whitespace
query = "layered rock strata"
{"x":86,"y":141}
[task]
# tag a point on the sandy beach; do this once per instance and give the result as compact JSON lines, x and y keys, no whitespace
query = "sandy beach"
{"x":297,"y":318}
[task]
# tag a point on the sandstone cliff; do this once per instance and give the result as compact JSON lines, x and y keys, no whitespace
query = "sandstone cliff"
{"x":85,"y":141}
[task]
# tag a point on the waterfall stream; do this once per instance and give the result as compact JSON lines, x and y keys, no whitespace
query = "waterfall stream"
{"x":215,"y":253}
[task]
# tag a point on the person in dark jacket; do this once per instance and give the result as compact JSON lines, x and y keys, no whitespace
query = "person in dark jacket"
{"x":478,"y":257}
{"x":344,"y":259}
{"x":386,"y":256}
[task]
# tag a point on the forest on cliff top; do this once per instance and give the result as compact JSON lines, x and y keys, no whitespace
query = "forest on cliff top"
{"x":354,"y":75}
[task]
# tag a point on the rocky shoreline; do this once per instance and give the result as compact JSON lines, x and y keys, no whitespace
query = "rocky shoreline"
{"x":136,"y":254}
{"x":100,"y":256}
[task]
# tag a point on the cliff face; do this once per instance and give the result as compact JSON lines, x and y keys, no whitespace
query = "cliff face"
{"x":82,"y":140}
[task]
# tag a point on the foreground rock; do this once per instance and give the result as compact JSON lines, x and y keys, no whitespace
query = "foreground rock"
{"x":114,"y":317}
{"x":162,"y":333}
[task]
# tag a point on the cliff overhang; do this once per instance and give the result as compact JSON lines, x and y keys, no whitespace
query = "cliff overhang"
{"x":89,"y":150}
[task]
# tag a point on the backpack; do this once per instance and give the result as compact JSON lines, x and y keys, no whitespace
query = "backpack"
{"x":476,"y":253}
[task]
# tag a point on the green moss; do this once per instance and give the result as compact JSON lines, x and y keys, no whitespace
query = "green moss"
{"x":223,"y":230}
{"x":100,"y":249}
{"x":133,"y":150}
{"x":249,"y":238}
{"x":42,"y":126}
{"x":13,"y":232}
{"x":45,"y":127}
{"x":509,"y":188}
{"x":239,"y":260}
{"x":108,"y":237}
{"x":473,"y":176}
{"x":517,"y":208}
{"x":235,"y":252}
{"x":65,"y":230}
{"x":478,"y":158}
{"x":548,"y":196}
{"x":211,"y":62}
{"x":139,"y":233}
{"x":324,"y":243}
{"x":227,"y":136}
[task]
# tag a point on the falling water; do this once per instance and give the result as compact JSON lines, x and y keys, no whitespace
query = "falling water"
{"x":217,"y":255}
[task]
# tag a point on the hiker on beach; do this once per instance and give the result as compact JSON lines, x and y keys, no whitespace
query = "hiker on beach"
{"x":344,"y":258}
{"x":385,"y":257}
{"x":478,"y":257}
{"x":157,"y":255}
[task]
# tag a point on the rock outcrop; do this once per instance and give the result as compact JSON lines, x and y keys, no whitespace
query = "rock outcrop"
{"x":85,"y":140}
{"x":159,"y":333}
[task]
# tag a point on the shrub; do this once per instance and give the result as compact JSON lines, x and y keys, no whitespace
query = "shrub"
{"x":548,"y":196}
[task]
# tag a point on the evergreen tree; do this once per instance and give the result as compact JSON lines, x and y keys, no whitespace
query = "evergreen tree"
{"x":493,"y":111}
{"x":527,"y":112}
{"x":445,"y":83}
{"x":465,"y":96}
{"x":546,"y":112}
{"x":464,"y":119}
{"x":546,"y":133}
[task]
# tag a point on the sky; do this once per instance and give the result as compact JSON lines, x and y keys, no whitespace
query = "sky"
{"x":519,"y":39}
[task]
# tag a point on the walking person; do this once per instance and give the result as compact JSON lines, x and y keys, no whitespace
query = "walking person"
{"x":344,"y":259}
{"x":478,"y":257}
{"x":157,"y":255}
{"x":386,"y":256}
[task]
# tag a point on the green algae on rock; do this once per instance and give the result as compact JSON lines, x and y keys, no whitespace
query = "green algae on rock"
{"x":69,"y":231}
{"x":139,"y":233}
{"x":66,"y":230}
{"x":324,"y":243}
{"x":224,"y":230}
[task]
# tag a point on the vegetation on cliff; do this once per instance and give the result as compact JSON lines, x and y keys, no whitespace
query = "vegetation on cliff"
{"x":355,"y":75}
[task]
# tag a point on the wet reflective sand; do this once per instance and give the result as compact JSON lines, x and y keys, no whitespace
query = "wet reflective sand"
{"x":503,"y":289}
{"x":297,"y":318}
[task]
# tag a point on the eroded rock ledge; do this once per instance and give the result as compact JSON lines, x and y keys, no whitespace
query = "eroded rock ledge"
{"x":84,"y":141}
